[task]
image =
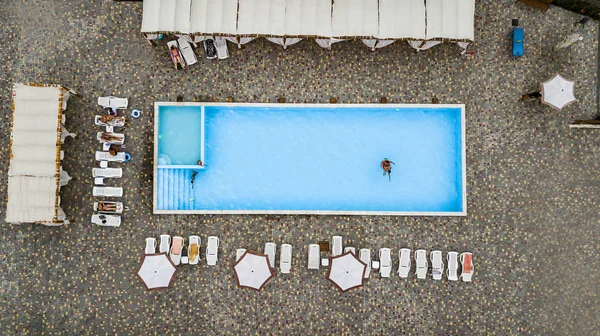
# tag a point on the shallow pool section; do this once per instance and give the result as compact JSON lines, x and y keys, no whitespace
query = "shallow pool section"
{"x":310,"y":159}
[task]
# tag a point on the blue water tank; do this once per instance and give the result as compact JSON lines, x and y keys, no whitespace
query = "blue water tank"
{"x":518,"y":35}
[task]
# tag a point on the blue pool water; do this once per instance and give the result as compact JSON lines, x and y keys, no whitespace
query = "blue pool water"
{"x":313,"y":159}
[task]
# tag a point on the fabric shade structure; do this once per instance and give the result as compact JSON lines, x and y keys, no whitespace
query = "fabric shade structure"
{"x":261,"y":17}
{"x":210,"y":17}
{"x":354,"y":18}
{"x":34,"y":174}
{"x":156,"y":271}
{"x":346,"y":271}
{"x":401,"y":19}
{"x":253,"y":270}
{"x":558,"y":92}
{"x":451,"y":20}
{"x":309,"y":18}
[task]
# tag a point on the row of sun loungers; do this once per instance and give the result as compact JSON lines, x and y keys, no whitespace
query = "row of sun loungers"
{"x":175,"y":247}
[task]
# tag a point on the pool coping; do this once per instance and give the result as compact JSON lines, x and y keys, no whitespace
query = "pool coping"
{"x":310,"y":212}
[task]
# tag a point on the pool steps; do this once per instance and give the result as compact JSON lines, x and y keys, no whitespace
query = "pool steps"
{"x":175,"y":189}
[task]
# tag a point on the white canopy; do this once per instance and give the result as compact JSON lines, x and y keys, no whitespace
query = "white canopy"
{"x":355,"y":18}
{"x":346,"y":271}
{"x":156,"y":271}
{"x":167,"y":16}
{"x":253,"y":271}
{"x":261,"y":17}
{"x":308,"y":18}
{"x":214,"y":17}
{"x":451,"y":19}
{"x":401,"y":19}
{"x":34,"y":172}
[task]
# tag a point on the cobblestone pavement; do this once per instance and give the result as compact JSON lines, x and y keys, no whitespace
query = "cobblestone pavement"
{"x":533,"y":185}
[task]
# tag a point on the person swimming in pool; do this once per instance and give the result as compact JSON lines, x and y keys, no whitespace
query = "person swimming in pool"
{"x":386,"y":165}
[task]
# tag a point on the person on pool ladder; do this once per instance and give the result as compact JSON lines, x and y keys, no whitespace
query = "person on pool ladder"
{"x":386,"y":165}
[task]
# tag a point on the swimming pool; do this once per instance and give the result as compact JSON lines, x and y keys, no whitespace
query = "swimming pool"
{"x":309,"y":159}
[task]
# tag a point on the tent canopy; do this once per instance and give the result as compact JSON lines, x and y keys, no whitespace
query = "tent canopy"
{"x":308,"y":18}
{"x":34,"y":171}
{"x":401,"y":19}
{"x":213,"y":17}
{"x":261,"y":17}
{"x":355,"y":18}
{"x":450,"y":19}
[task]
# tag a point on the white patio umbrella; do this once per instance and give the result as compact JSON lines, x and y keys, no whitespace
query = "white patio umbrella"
{"x":156,"y":271}
{"x":252,"y":270}
{"x":558,"y":92}
{"x":346,"y":271}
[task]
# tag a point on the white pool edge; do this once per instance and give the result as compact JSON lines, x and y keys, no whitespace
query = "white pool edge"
{"x":309,"y":212}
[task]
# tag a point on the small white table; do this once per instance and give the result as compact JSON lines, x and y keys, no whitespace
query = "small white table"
{"x":325,"y":262}
{"x":375,"y":264}
{"x":98,"y":181}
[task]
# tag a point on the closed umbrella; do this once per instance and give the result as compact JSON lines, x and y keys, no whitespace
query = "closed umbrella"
{"x":558,"y":92}
{"x":346,"y":271}
{"x":253,"y":271}
{"x":156,"y":271}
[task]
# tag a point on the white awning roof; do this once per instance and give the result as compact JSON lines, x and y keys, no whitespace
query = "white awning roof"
{"x":355,"y":18}
{"x":214,"y":17}
{"x":401,"y":19}
{"x":308,"y":18}
{"x":451,"y":19}
{"x":261,"y":17}
{"x":166,"y":16}
{"x":33,"y":174}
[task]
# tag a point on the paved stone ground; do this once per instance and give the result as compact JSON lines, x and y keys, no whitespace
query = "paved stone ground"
{"x":533,"y":185}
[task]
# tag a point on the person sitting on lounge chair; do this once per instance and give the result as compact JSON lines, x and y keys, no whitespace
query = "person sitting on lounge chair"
{"x":386,"y":165}
{"x":102,"y":206}
{"x":109,"y":137}
{"x":176,"y":58}
{"x":113,"y":150}
{"x":532,"y":95}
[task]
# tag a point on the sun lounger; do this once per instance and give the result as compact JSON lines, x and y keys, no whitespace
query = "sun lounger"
{"x":212,"y":250}
{"x":176,"y":249}
{"x":336,"y":248}
{"x":194,"y":249}
{"x":106,"y":220}
{"x":210,"y":48}
{"x":350,"y":249}
{"x":165,"y":243}
{"x":186,"y":50}
{"x":385,"y":262}
{"x":313,"y":256}
{"x":270,"y":250}
{"x":285,"y":259}
{"x":466,"y":259}
{"x":365,"y":256}
{"x":109,"y":121}
{"x":108,"y":192}
{"x":109,"y":207}
{"x":107,"y":172}
{"x":111,"y":138}
{"x":452,"y":270}
{"x":150,"y":246}
{"x":178,"y":51}
{"x":105,"y":156}
{"x":239,"y":253}
{"x":437,"y":265}
{"x":404,"y":261}
{"x":112,"y":102}
{"x":221,"y":45}
{"x":421,"y":260}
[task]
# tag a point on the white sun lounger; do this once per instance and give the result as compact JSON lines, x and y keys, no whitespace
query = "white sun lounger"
{"x":115,"y":122}
{"x":421,"y":260}
{"x":107,"y":172}
{"x":285,"y":259}
{"x":365,"y":256}
{"x":313,"y":256}
{"x":221,"y":45}
{"x":119,"y":141}
{"x":452,"y":270}
{"x":385,"y":262}
{"x":404,"y":261}
{"x":270,"y":250}
{"x":106,"y":220}
{"x":239,"y":253}
{"x":105,"y":156}
{"x":466,"y":259}
{"x":112,"y":102}
{"x":119,"y":206}
{"x":150,"y":246}
{"x":194,"y":240}
{"x":336,"y":246}
{"x":350,"y":249}
{"x":212,"y":250}
{"x":176,"y":249}
{"x":165,"y":243}
{"x":437,"y":264}
{"x":186,"y":49}
{"x":108,"y":192}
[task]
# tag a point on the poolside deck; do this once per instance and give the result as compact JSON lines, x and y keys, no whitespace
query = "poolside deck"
{"x":533,"y":185}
